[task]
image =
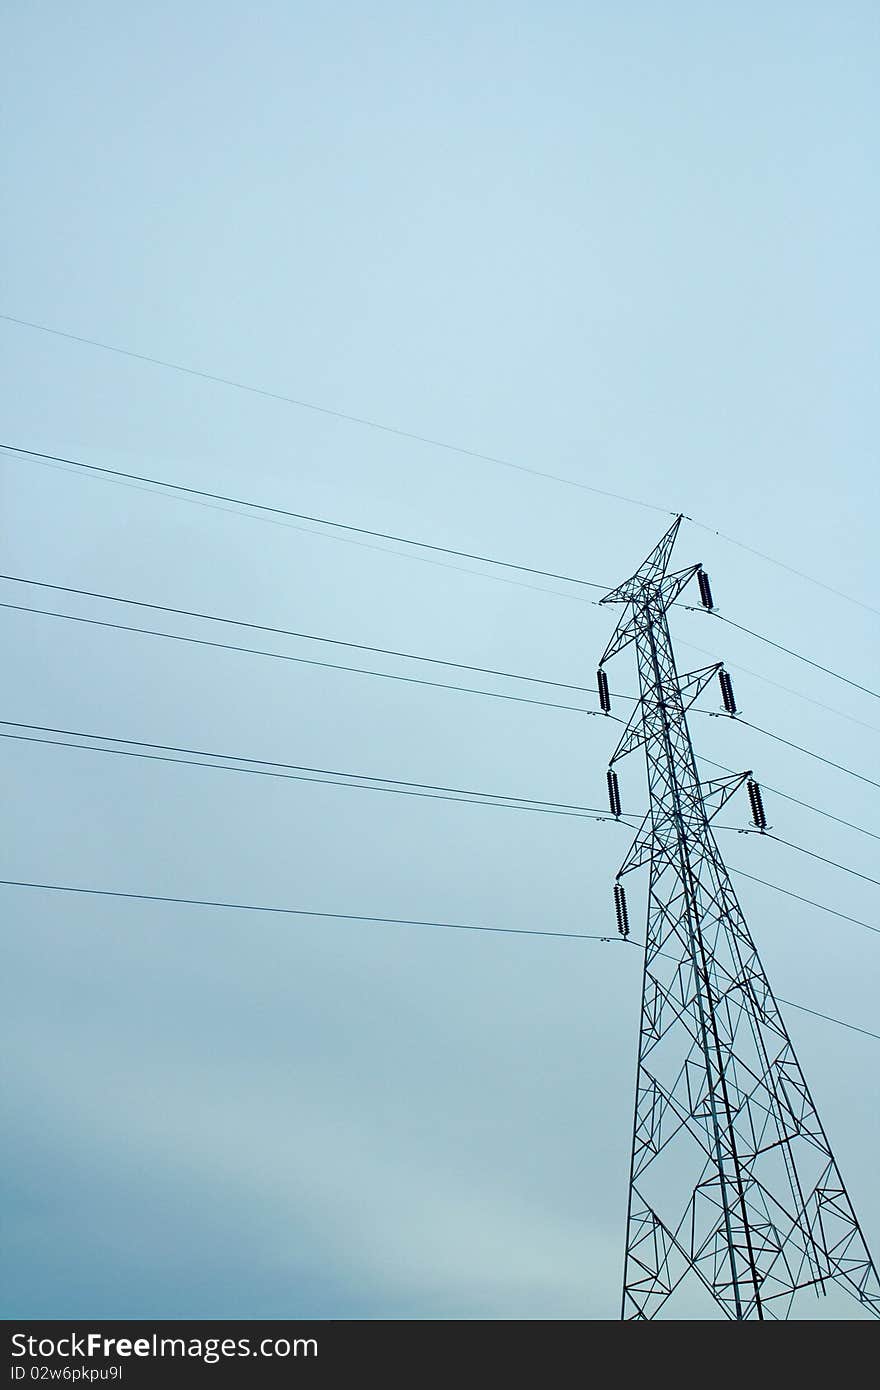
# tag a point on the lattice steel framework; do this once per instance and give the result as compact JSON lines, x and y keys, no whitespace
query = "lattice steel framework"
{"x":733,"y":1183}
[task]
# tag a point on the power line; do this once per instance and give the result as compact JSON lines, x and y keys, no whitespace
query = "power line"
{"x":798,"y":694}
{"x":383,"y":675}
{"x":300,"y":660}
{"x":307,"y":912}
{"x":816,"y":1014}
{"x":356,"y":646}
{"x":319,"y":781}
{"x":838,"y":820}
{"x":303,"y":636}
{"x":181,"y":490}
{"x":866,"y":690}
{"x":789,"y":1002}
{"x":798,"y":747}
{"x":420,"y":439}
{"x":339,"y":537}
{"x":296,"y":772}
{"x":780,"y":564}
{"x":423,"y":545}
{"x":337,"y":414}
{"x":301,"y":516}
{"x":765,"y":786}
{"x":813,"y":855}
{"x":364,"y":781}
{"x":408,"y":680}
{"x":361,"y":917}
{"x":337,"y":642}
{"x":832,"y":911}
{"x":363,"y":646}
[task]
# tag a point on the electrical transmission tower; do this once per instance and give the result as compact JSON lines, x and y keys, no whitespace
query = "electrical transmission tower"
{"x":733,"y":1186}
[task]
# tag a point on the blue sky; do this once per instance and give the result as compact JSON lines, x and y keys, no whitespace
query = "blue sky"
{"x":635,"y":249}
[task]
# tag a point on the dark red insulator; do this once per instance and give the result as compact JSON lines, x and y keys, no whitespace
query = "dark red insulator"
{"x":620,"y":909}
{"x":705,"y":591}
{"x":613,"y":792}
{"x":727,"y":692}
{"x":604,"y":696}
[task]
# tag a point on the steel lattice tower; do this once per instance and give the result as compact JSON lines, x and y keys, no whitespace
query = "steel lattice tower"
{"x":733,"y":1182}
